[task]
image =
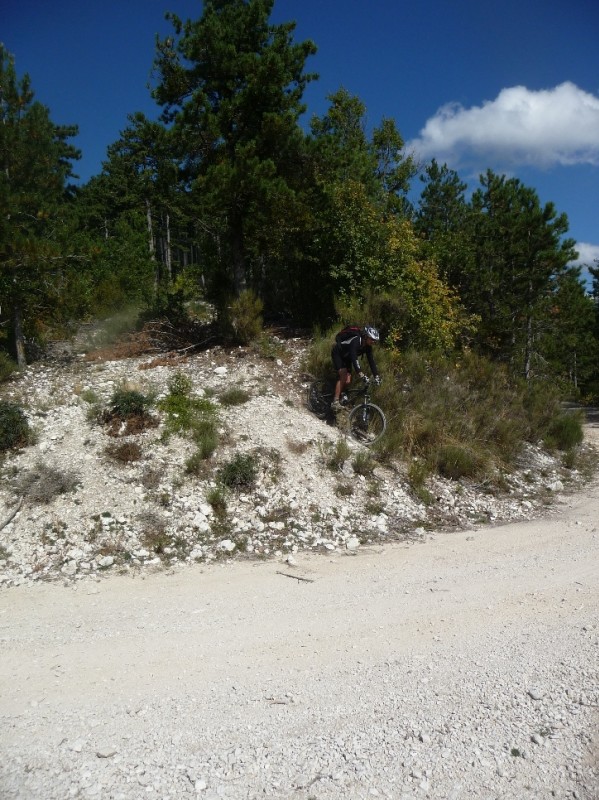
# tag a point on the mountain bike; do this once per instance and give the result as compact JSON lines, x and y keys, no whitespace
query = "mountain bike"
{"x":366,"y":422}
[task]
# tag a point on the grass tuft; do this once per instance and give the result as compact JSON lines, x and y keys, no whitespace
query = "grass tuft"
{"x":239,"y":473}
{"x":363,"y":464}
{"x":154,"y":535}
{"x":234,"y":397}
{"x":7,"y":367}
{"x":217,"y":498}
{"x":335,"y":455}
{"x":14,"y":428}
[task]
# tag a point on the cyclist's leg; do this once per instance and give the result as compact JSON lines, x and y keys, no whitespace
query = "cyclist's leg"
{"x":343,"y":369}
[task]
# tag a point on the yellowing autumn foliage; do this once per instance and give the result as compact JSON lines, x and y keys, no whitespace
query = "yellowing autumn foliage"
{"x":382,"y":260}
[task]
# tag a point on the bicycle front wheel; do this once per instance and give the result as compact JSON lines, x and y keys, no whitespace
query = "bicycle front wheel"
{"x":367,"y":423}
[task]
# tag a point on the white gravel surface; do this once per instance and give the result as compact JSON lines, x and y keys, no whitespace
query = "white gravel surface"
{"x":449,"y":665}
{"x":464,"y":667}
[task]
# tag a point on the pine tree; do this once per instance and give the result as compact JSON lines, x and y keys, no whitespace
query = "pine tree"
{"x":567,"y":345}
{"x":231,"y":85}
{"x":442,"y":220}
{"x":519,"y":252}
{"x":35,"y":164}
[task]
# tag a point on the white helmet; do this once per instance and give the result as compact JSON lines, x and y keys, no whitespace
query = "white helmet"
{"x":372,"y":333}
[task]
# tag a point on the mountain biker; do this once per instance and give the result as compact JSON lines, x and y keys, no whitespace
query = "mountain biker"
{"x":351,"y":343}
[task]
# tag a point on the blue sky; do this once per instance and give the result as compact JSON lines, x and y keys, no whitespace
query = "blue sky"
{"x":512,"y":86}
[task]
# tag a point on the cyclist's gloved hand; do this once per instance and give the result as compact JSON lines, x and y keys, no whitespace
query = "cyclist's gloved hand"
{"x":365,"y":378}
{"x":378,"y":380}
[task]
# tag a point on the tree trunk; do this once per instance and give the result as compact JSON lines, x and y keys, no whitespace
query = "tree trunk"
{"x":239,"y":271}
{"x":168,"y":253}
{"x":528,"y":348}
{"x":19,"y":339}
{"x":151,"y":245}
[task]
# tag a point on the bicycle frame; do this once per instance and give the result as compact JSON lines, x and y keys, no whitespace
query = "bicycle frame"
{"x":355,"y":393}
{"x":366,"y":420}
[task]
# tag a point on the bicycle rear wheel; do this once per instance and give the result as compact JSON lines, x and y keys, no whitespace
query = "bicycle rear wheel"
{"x":320,"y":397}
{"x":367,"y":423}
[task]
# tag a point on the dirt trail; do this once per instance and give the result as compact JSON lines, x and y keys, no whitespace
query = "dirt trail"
{"x":446,"y":636}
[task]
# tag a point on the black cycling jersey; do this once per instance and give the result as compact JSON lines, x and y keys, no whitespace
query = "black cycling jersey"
{"x":346,"y":353}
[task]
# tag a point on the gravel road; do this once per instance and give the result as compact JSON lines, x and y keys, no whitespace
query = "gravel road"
{"x":461,"y":667}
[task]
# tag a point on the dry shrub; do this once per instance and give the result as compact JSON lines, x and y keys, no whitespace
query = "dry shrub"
{"x":166,"y":360}
{"x":127,"y":414}
{"x":125,"y":452}
{"x":297,"y":447}
{"x":151,"y":477}
{"x":154,"y":535}
{"x":43,"y":483}
{"x":131,"y":426}
{"x":133,"y":346}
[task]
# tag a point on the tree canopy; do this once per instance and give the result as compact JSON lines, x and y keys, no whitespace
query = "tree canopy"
{"x":233,"y":188}
{"x":36,"y":278}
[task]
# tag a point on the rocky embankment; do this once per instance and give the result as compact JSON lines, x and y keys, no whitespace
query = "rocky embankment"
{"x":69,"y":509}
{"x":327,"y":638}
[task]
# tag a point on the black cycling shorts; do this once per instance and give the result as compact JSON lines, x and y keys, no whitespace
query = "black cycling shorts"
{"x":339,"y":360}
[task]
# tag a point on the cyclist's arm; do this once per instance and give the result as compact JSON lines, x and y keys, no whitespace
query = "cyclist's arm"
{"x":354,"y":353}
{"x":371,"y":361}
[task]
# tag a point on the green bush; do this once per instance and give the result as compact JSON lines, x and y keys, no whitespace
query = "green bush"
{"x":239,"y":320}
{"x":565,"y":431}
{"x":205,"y":435}
{"x":246,"y":317}
{"x":458,"y":461}
{"x":187,"y":414}
{"x":217,"y":498}
{"x":239,"y":473}
{"x":7,"y":366}
{"x":363,"y":463}
{"x":128,"y":403}
{"x":270,"y":347}
{"x":154,"y":535}
{"x":169,"y":304}
{"x":318,"y":361}
{"x":196,"y":464}
{"x":109,"y":330}
{"x":180,"y":385}
{"x":462,"y":416}
{"x":14,"y":428}
{"x":234,"y":397}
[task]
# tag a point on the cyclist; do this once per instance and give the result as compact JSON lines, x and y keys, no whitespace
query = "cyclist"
{"x":351,"y":343}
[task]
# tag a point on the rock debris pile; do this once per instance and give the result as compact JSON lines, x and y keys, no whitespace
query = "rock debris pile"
{"x":147,"y":513}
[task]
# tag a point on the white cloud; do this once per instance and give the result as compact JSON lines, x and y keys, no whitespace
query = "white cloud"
{"x":521,"y":126}
{"x":587,"y":254}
